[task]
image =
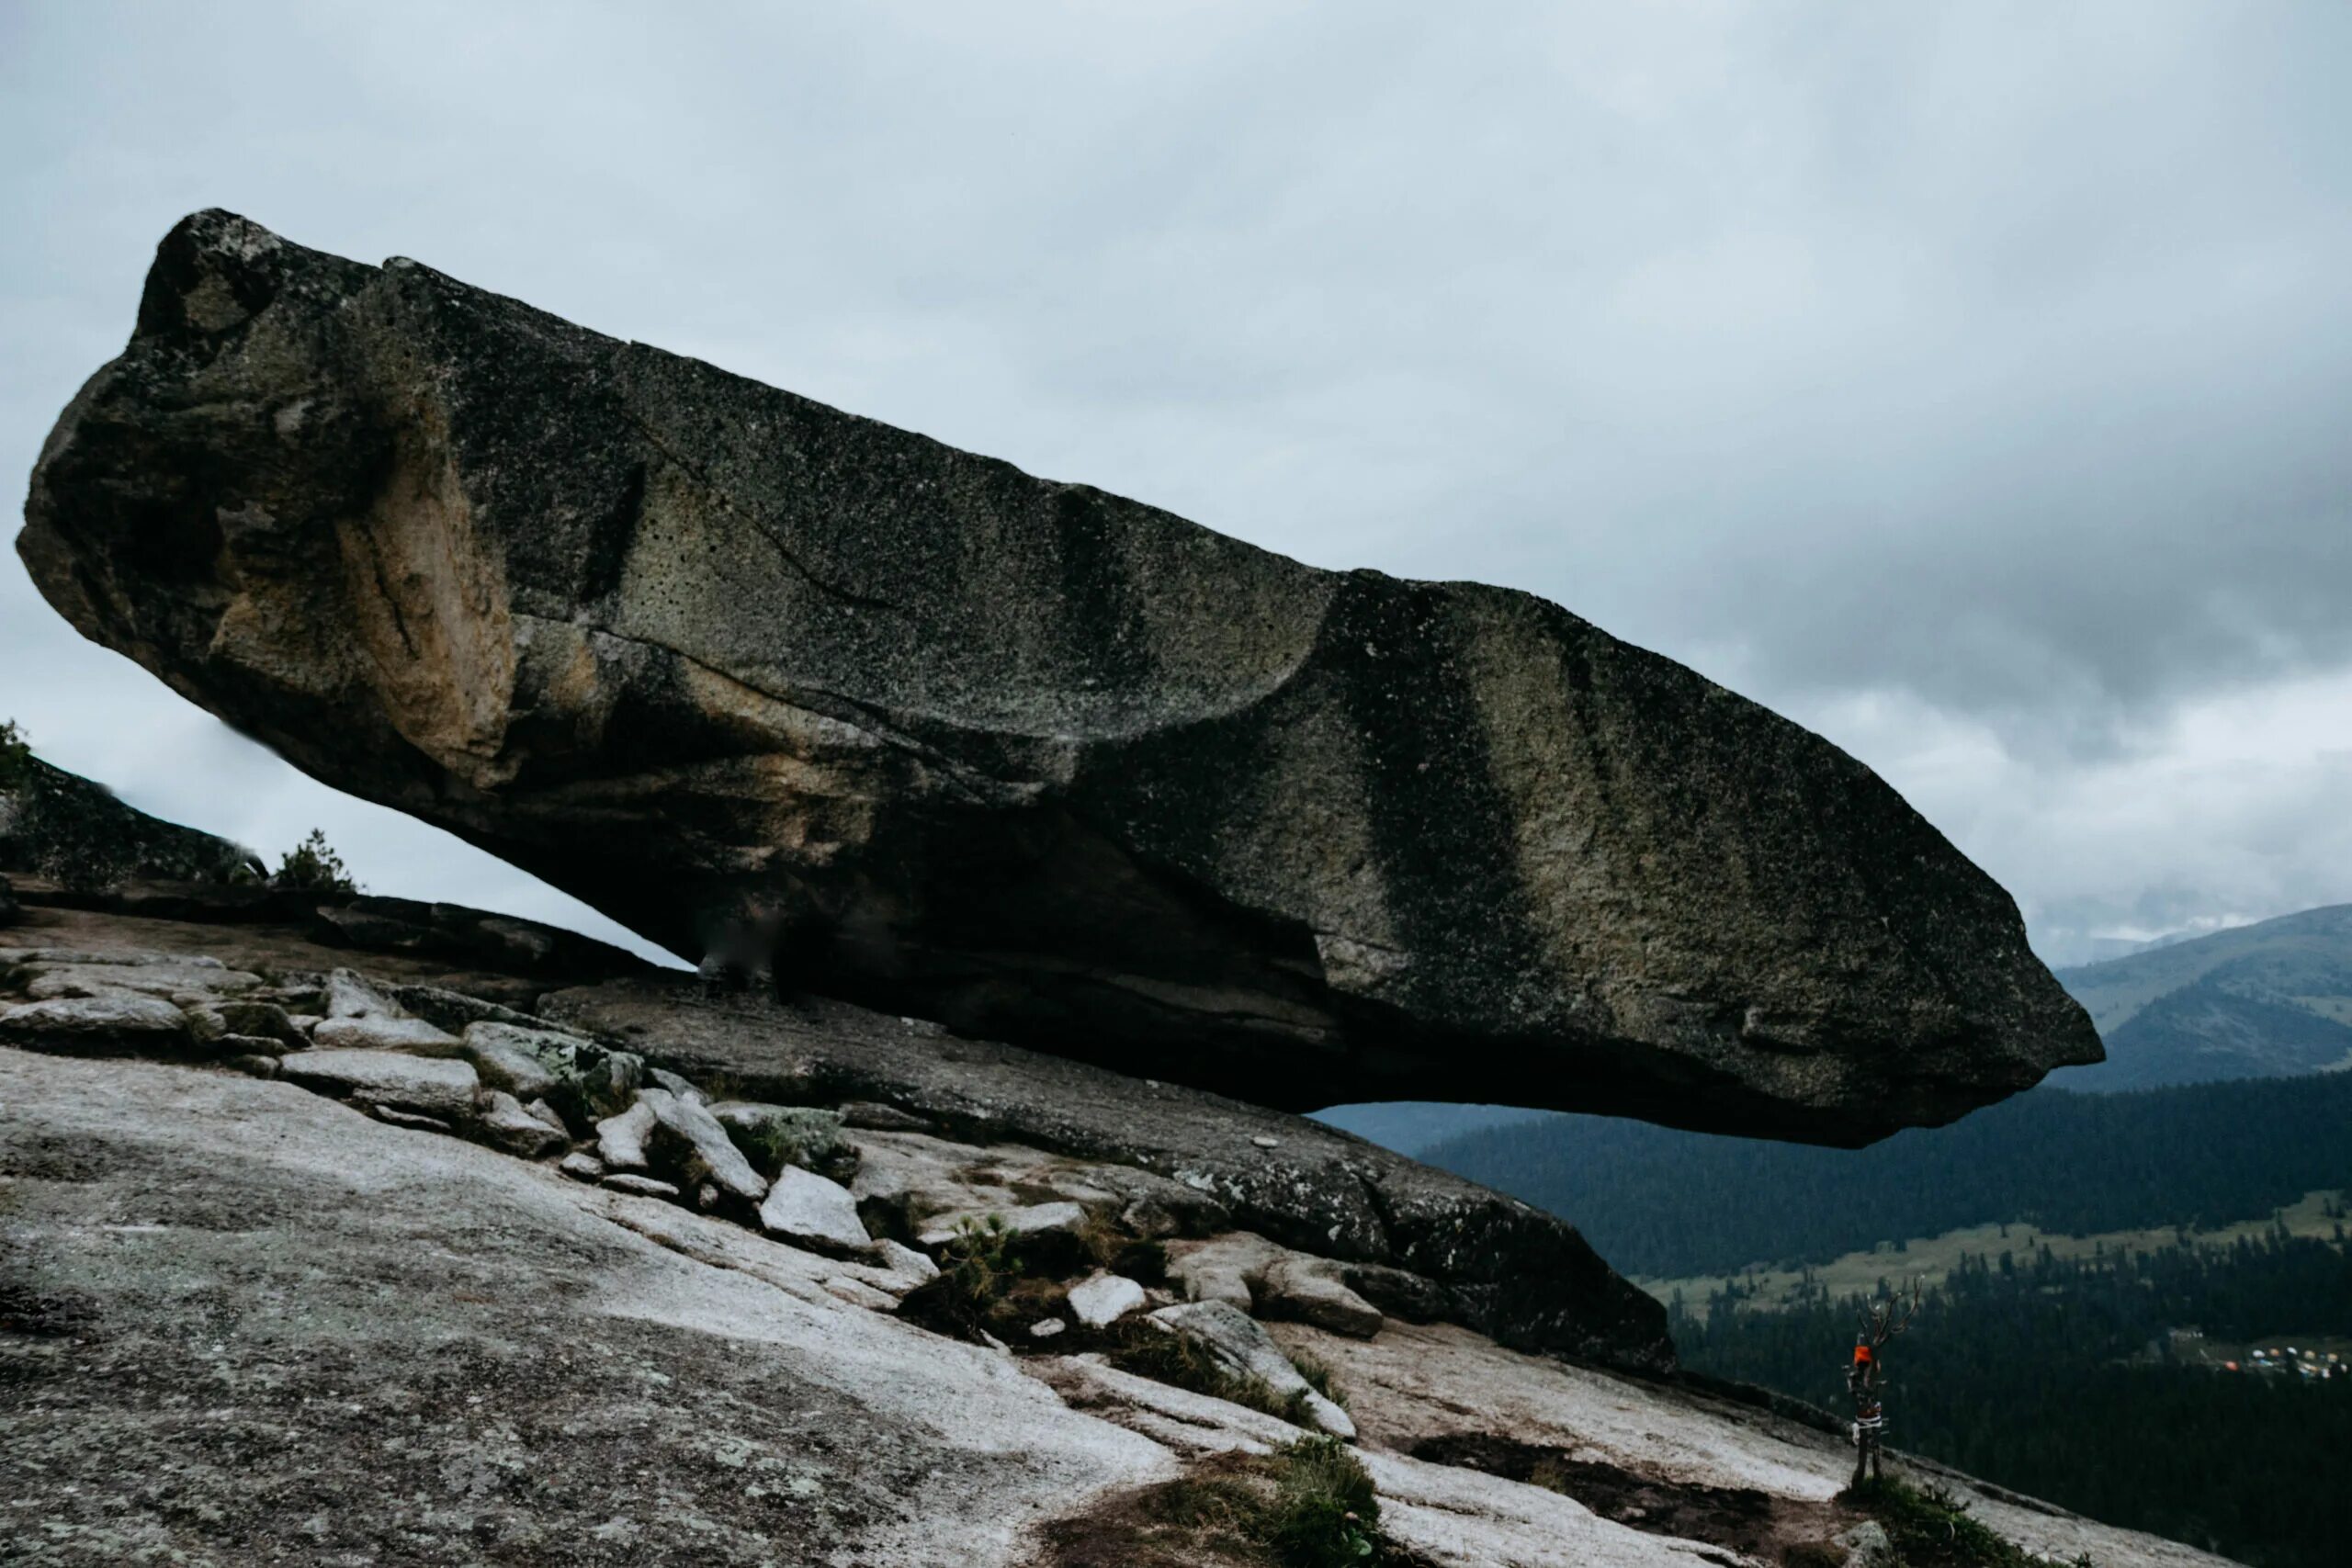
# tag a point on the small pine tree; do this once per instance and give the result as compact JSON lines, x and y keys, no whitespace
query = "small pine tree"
{"x":314,"y":867}
{"x":14,"y":753}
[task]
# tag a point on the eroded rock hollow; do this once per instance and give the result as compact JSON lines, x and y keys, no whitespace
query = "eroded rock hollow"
{"x":1036,"y":761}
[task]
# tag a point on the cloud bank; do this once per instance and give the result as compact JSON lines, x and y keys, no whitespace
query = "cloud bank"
{"x":1966,"y":381}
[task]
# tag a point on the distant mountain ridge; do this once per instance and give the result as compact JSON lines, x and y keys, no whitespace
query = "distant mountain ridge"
{"x":2265,"y":1001}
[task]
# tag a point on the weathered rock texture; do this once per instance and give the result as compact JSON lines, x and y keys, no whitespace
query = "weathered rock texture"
{"x":1042,"y":762}
{"x":65,"y":827}
{"x":224,"y":1299}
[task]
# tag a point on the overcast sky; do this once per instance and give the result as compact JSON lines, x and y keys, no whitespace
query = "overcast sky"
{"x":1970,"y":382}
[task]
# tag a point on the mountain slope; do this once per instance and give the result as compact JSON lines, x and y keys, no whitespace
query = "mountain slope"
{"x":2302,"y":961}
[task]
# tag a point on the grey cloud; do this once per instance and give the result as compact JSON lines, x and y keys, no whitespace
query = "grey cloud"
{"x":1994,"y":356}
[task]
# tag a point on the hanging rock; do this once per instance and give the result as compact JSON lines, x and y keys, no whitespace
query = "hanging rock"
{"x":1050,"y":765}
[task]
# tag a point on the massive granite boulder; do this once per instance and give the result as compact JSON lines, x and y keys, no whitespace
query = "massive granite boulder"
{"x":1036,"y":761}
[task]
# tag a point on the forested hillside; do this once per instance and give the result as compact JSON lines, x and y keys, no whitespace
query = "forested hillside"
{"x":2043,"y":1375}
{"x":1653,"y":1200}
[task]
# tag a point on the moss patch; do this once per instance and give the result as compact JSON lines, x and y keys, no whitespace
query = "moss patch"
{"x":1310,"y":1504}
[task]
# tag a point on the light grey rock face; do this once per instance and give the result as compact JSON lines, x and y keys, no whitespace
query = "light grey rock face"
{"x":620,"y":1140}
{"x":627,"y":1358}
{"x":505,"y":1123}
{"x":641,"y":1185}
{"x":1311,"y":1291}
{"x":1422,"y":1243}
{"x":687,"y":1144}
{"x":1867,"y":1546}
{"x":807,"y":1209}
{"x":1254,"y":1275}
{"x":378,"y":1033}
{"x":263,"y":1022}
{"x":1021,"y":1219}
{"x":1236,"y":1344}
{"x":116,"y":1022}
{"x":1043,"y":762}
{"x":350,"y":994}
{"x":773,"y":1136}
{"x":1104,"y":1299}
{"x":425,"y":1085}
{"x":157,"y":978}
{"x":511,"y":1058}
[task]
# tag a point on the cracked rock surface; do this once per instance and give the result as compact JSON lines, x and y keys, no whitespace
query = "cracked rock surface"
{"x":766,"y":681}
{"x":222,"y":1298}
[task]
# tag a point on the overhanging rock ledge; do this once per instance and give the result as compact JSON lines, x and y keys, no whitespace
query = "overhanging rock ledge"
{"x":1041,"y":762}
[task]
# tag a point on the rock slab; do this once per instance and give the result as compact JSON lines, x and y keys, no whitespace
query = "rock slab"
{"x":769,"y":681}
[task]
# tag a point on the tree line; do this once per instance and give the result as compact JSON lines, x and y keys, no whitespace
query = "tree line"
{"x":1652,"y":1199}
{"x":2060,"y":1378}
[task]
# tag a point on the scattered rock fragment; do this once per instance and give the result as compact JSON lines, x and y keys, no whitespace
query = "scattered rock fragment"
{"x":505,"y":1123}
{"x":1046,"y":1327}
{"x":410,"y":1118}
{"x":814,"y":1210}
{"x":350,"y":994}
{"x":204,"y":979}
{"x":643,"y":1186}
{"x":1867,"y":1545}
{"x":1311,"y":1291}
{"x":664,"y":1079}
{"x":217,"y":1021}
{"x":374,"y":1032}
{"x":620,"y":1140}
{"x":688,"y":1145}
{"x":903,"y":1266}
{"x":115,"y":1022}
{"x":773,"y":1136}
{"x":1104,"y":1299}
{"x":1026,"y":1218}
{"x":857,"y":1293}
{"x":582,"y":1167}
{"x":875,"y":1116}
{"x":430,"y":1086}
{"x":514,"y":1059}
{"x":1240,"y":1348}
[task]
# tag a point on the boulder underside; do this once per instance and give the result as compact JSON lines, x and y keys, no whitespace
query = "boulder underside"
{"x":767,"y":681}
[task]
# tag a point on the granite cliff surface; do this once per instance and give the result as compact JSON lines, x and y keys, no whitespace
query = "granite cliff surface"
{"x":767,"y":681}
